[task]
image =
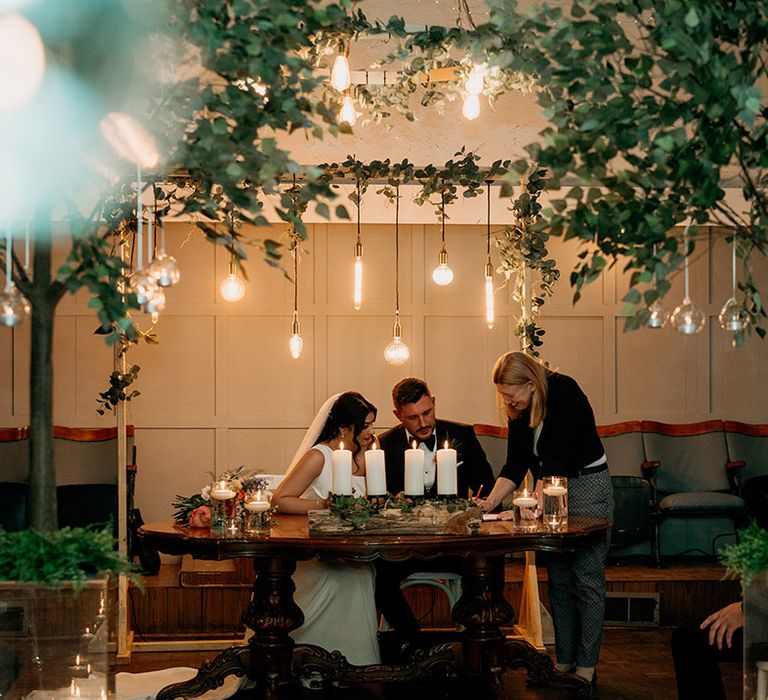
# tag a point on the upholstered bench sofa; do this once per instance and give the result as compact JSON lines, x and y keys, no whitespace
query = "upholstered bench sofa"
{"x":679,"y":488}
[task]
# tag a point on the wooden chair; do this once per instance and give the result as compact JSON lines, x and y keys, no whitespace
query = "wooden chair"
{"x":14,"y":478}
{"x":694,"y":482}
{"x":632,"y":531}
{"x":748,"y":444}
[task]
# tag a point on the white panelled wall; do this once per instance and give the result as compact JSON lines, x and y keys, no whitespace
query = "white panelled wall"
{"x":221,"y":389}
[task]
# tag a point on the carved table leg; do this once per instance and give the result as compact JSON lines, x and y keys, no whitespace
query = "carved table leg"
{"x":233,"y":661}
{"x":272,"y":614}
{"x":482,"y":609}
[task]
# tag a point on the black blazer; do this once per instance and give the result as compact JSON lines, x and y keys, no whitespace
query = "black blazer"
{"x":568,"y":441}
{"x":472,"y":473}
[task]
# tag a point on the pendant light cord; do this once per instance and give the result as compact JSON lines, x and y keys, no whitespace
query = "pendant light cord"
{"x":733,"y":266}
{"x":488,"y":220}
{"x":359,"y":203}
{"x":295,"y":257}
{"x":685,"y":251}
{"x":442,"y":217}
{"x":397,"y":250}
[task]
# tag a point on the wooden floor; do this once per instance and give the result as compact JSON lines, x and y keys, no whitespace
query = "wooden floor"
{"x":635,"y":665}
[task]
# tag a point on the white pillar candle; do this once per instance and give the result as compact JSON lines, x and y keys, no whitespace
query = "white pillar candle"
{"x":525,"y":500}
{"x":341,"y":463}
{"x":375,"y":472}
{"x":446,"y":472}
{"x":414,"y":472}
{"x":221,"y":491}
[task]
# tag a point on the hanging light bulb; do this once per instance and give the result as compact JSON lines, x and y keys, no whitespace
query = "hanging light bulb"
{"x":156,"y":302}
{"x":13,"y":306}
{"x":471,"y":109}
{"x":397,"y":353}
{"x":341,"y":77}
{"x":686,"y":318}
{"x":295,"y":342}
{"x":657,"y":315}
{"x":348,"y":113}
{"x":232,"y":287}
{"x":164,"y":267}
{"x":475,"y":81}
{"x":490,"y":315}
{"x":144,"y":286}
{"x":732,"y":316}
{"x":442,"y":275}
{"x":357,"y":293}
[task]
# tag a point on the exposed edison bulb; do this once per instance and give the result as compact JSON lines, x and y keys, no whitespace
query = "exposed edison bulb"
{"x":687,"y":319}
{"x":295,"y":346}
{"x":22,"y":61}
{"x":232,"y":288}
{"x":471,"y":109}
{"x":476,"y":79}
{"x":732,"y":316}
{"x":156,"y":302}
{"x":490,"y":314}
{"x":657,"y":315}
{"x":155,"y":316}
{"x":348,"y":113}
{"x":358,"y":291}
{"x":397,"y":352}
{"x":341,"y":78}
{"x":442,"y":275}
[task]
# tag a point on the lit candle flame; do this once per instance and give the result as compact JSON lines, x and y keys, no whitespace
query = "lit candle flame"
{"x":445,"y":445}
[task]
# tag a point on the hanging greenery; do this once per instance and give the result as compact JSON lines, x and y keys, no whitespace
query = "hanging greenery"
{"x":523,"y":246}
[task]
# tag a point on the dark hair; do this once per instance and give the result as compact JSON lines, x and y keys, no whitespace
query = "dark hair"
{"x":350,"y":408}
{"x":409,"y":390}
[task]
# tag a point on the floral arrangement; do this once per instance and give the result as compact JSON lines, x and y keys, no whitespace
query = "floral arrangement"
{"x":195,"y":510}
{"x":358,"y":510}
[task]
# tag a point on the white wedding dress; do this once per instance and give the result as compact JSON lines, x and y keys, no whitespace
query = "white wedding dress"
{"x":337,"y":597}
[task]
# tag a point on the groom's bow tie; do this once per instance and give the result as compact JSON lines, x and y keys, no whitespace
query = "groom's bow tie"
{"x":429,"y":442}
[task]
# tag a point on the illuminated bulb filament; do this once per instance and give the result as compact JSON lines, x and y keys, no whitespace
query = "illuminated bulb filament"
{"x":475,"y":80}
{"x":358,"y":293}
{"x":232,"y":287}
{"x":471,"y":109}
{"x":295,"y":346}
{"x":341,"y":78}
{"x":348,"y":113}
{"x":489,"y":312}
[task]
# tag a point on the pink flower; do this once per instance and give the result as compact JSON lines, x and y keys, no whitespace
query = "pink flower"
{"x":200,"y":517}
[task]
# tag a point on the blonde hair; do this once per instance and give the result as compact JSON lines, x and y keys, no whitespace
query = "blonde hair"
{"x":518,"y":369}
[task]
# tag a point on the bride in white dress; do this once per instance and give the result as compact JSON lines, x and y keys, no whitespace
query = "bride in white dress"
{"x":336,"y":597}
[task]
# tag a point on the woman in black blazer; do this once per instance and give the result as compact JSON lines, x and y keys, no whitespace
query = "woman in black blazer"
{"x":552,"y":432}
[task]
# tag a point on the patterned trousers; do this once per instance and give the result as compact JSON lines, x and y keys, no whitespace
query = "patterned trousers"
{"x":577,"y":580}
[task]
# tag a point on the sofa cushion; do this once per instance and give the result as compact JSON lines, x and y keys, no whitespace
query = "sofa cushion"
{"x":701,"y":500}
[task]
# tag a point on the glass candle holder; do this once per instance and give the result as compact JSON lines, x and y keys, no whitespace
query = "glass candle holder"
{"x":525,"y":507}
{"x":223,"y":509}
{"x":555,"y":490}
{"x":258,"y":508}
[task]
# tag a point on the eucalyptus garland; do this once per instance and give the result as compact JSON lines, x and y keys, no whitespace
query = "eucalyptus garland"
{"x":523,"y":246}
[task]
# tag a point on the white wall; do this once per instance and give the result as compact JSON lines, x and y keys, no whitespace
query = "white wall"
{"x":221,"y":389}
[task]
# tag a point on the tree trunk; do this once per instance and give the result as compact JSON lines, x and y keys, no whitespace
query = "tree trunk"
{"x":42,"y":473}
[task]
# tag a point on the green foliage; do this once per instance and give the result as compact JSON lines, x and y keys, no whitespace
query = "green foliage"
{"x":356,"y":510}
{"x":118,"y":383}
{"x":669,"y":109}
{"x":67,"y":555}
{"x":749,"y":556}
{"x":523,"y":247}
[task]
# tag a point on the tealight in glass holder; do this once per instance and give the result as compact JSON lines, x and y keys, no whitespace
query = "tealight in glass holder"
{"x":223,"y":509}
{"x":527,"y":514}
{"x":555,"y":490}
{"x":258,"y":506}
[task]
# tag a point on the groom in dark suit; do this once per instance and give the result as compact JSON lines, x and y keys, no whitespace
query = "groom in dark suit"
{"x":414,"y":407}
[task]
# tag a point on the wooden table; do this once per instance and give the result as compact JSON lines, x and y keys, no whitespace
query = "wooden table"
{"x":270,"y":657}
